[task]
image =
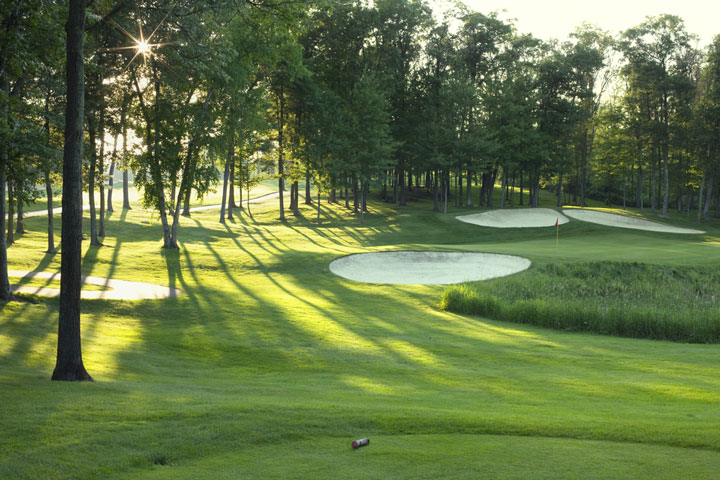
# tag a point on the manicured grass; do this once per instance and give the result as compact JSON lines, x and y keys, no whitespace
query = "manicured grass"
{"x":269,"y":365}
{"x":626,"y":299}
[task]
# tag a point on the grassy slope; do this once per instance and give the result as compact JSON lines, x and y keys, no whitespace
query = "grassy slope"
{"x":269,"y":365}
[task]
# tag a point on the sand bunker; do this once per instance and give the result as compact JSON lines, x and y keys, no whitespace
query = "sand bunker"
{"x":118,"y":289}
{"x":520,"y":218}
{"x":615,"y":220}
{"x":426,"y":268}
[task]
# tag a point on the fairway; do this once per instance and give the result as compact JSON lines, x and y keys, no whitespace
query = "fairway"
{"x":269,"y":365}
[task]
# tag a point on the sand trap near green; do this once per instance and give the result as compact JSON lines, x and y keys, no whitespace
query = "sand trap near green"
{"x":520,"y":218}
{"x":117,"y":289}
{"x":615,"y":220}
{"x":426,"y":268}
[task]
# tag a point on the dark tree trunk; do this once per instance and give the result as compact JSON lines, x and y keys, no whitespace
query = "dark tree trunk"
{"x":363,"y":208}
{"x":126,"y":196}
{"x":522,"y":178}
{"x":5,"y":292}
{"x":403,"y":190}
{"x":51,"y":219}
{"x":226,"y":177}
{"x":708,"y":195}
{"x":101,"y":169}
{"x":491,"y":187}
{"x":436,"y":196}
{"x":503,"y":188}
{"x":11,"y":213}
{"x":20,"y":228}
{"x":281,"y":167}
{"x":639,"y":189}
{"x":91,"y":182}
{"x":111,"y":174}
{"x":231,"y":180}
{"x":355,"y":193}
{"x":308,"y":195}
{"x":228,"y":181}
{"x":469,"y":203}
{"x":69,"y":365}
{"x":559,"y":192}
{"x":700,"y":197}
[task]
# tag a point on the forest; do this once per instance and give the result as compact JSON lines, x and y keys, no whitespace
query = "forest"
{"x":349,"y":96}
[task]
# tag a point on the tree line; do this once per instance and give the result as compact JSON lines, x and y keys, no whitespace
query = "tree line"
{"x":348,"y":95}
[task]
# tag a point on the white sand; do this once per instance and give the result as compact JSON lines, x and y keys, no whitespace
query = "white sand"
{"x":614,"y":220}
{"x":118,"y":289}
{"x":516,"y":218}
{"x":426,"y":268}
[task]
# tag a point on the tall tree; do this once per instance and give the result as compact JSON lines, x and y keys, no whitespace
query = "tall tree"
{"x":69,"y":365}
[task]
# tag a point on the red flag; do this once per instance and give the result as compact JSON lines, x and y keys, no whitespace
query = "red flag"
{"x":556,"y":221}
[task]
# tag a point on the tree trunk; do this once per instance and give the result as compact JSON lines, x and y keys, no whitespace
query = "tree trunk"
{"x":522,"y":178}
{"x":51,"y":219}
{"x":317,"y":187}
{"x":126,"y":196}
{"x":503,"y":188}
{"x":436,"y":199}
{"x":666,"y":178}
{"x":700,"y":197}
{"x":468,"y":201}
{"x":491,"y":187}
{"x":281,"y":172}
{"x":11,"y":213}
{"x":101,"y":169}
{"x":69,"y":365}
{"x":308,"y":195}
{"x":5,"y":291}
{"x":111,"y":175}
{"x":231,"y":180}
{"x":708,"y":195}
{"x":20,"y":228}
{"x":584,"y":158}
{"x":91,"y":180}
{"x":362,"y":206}
{"x":560,"y":191}
{"x":639,"y":192}
{"x":446,"y":187}
{"x":226,"y":176}
{"x":355,"y":193}
{"x":228,"y":183}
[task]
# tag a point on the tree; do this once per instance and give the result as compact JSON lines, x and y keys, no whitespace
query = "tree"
{"x":653,"y":51}
{"x":69,"y":365}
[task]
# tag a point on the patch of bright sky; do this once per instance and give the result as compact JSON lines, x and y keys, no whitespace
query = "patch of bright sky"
{"x":558,"y":18}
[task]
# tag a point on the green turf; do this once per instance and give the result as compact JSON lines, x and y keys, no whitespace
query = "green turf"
{"x":269,"y":365}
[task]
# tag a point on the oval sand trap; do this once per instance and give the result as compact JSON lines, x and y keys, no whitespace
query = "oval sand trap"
{"x":426,"y":268}
{"x":615,"y":220}
{"x":520,"y":218}
{"x":118,"y":289}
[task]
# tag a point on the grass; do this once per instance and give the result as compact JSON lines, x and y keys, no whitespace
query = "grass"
{"x":615,"y":298}
{"x":269,"y":365}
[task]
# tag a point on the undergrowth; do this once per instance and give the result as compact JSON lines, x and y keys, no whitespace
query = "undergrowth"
{"x":637,"y":300}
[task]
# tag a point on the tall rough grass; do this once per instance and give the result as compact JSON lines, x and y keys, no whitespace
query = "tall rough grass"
{"x":680,"y":304}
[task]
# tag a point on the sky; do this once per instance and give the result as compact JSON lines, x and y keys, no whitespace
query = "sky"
{"x":547,"y":19}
